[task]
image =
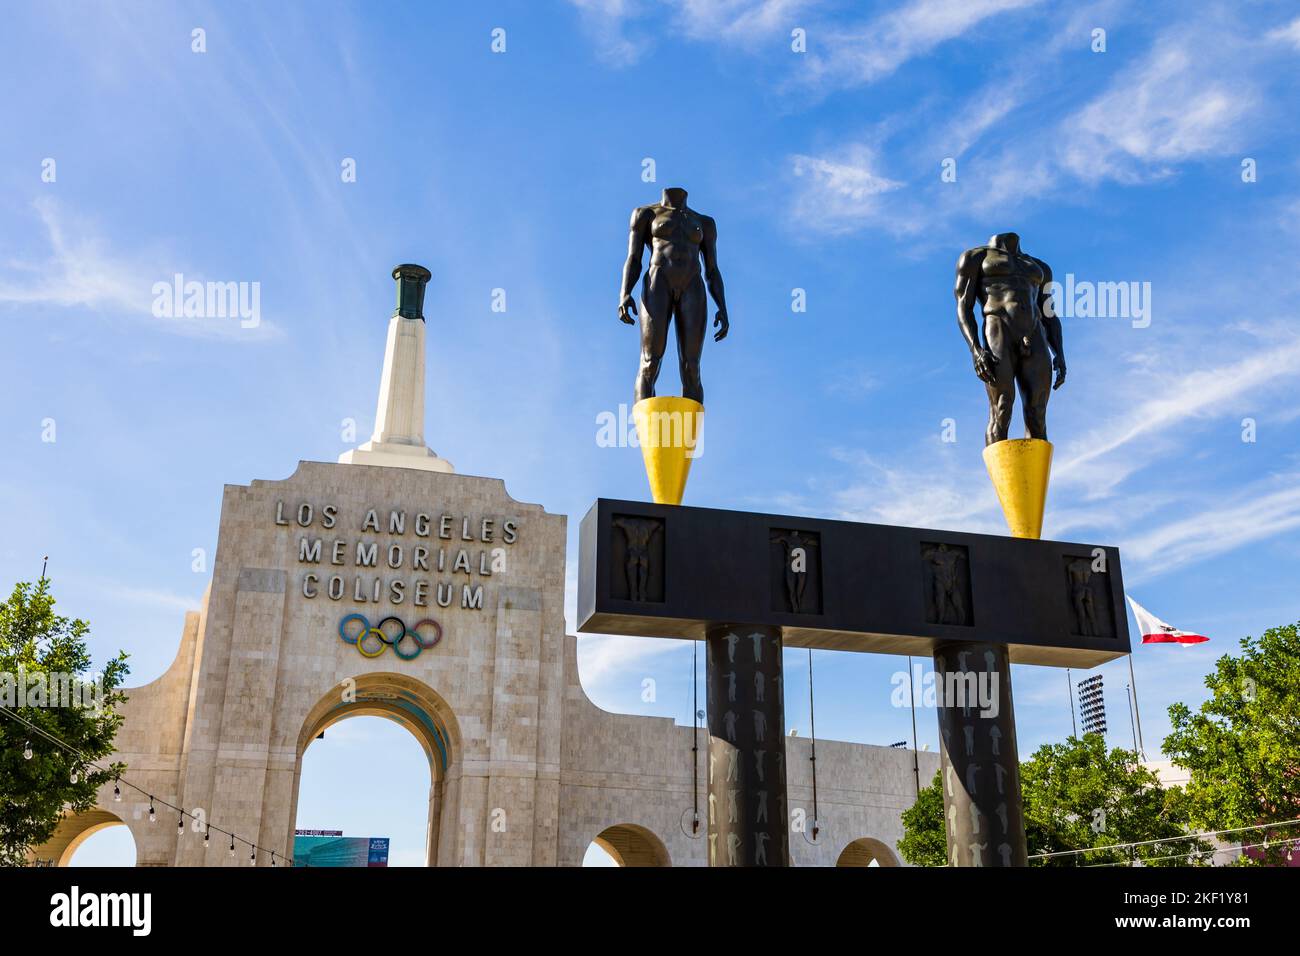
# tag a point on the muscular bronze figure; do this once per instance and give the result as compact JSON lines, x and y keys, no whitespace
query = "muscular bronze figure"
{"x":673,"y":291}
{"x":1020,"y":326}
{"x":639,"y":533}
{"x":945,"y":593}
{"x":1085,"y":610}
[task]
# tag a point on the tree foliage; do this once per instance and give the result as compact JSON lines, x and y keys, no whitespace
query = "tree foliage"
{"x":1076,"y":796}
{"x":1242,"y":747}
{"x":924,"y":842}
{"x":36,"y":646}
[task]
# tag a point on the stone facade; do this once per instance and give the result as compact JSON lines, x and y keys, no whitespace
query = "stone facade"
{"x":525,"y":770}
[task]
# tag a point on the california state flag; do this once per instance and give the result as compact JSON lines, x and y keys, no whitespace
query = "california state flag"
{"x":1156,"y":631}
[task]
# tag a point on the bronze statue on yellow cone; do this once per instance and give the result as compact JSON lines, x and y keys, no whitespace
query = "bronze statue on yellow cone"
{"x":1020,"y":326}
{"x":669,"y":427}
{"x":1021,"y":347}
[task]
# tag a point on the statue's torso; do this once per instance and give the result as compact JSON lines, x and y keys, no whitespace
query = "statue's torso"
{"x":675,"y":237}
{"x":1010,"y":284}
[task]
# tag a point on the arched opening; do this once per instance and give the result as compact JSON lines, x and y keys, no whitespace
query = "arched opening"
{"x":91,"y":838}
{"x":867,"y":851}
{"x":394,"y":767}
{"x":627,"y":845}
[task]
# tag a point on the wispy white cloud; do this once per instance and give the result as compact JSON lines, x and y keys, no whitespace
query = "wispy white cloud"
{"x":839,"y":55}
{"x":1179,"y":102}
{"x":1288,"y":33}
{"x":1256,"y":513}
{"x":604,"y":660}
{"x":1091,"y":461}
{"x":1182,"y":101}
{"x":838,"y":192}
{"x":79,"y":270}
{"x":150,"y":597}
{"x":604,"y":22}
{"x":739,"y":21}
{"x":864,"y":54}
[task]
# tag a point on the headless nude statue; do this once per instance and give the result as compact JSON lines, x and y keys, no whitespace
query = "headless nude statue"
{"x":673,"y":291}
{"x":1020,"y":327}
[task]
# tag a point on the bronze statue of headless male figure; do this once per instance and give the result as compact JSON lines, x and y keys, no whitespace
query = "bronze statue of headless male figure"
{"x":673,"y":291}
{"x":1020,"y":326}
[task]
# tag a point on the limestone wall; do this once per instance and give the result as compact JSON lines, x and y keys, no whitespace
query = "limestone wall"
{"x":533,"y":772}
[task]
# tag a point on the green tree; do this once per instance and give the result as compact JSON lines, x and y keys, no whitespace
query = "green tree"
{"x":1242,"y":748}
{"x":1076,"y":796}
{"x":924,"y":842}
{"x":37,"y":647}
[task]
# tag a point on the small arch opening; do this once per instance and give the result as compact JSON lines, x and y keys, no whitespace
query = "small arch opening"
{"x":867,"y":851}
{"x":90,"y":838}
{"x":626,"y":844}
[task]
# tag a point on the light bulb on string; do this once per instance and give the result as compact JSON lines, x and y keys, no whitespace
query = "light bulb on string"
{"x":207,"y":839}
{"x":117,"y":792}
{"x":252,"y":856}
{"x":232,"y":846}
{"x":180,"y":824}
{"x":153,"y":814}
{"x":27,"y":750}
{"x":72,"y":777}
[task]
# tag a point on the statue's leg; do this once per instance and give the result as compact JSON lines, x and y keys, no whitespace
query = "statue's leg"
{"x":1002,"y":397}
{"x":656,"y":306}
{"x":1034,"y":376}
{"x":692,"y":316}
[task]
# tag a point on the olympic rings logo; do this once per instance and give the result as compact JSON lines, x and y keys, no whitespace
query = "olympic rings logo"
{"x":385,"y":636}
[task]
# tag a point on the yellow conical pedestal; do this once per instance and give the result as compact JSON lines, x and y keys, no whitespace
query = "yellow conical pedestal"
{"x":668,"y":428}
{"x":1020,"y":468}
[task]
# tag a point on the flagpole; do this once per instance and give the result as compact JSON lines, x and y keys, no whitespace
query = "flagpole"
{"x":1128,"y":692}
{"x":916,"y":760}
{"x":1069,"y":692}
{"x":1133,"y":683}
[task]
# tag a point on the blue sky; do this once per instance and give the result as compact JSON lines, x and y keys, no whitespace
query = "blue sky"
{"x":518,"y":171}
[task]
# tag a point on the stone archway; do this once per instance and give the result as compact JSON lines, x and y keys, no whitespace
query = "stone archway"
{"x":867,"y":851}
{"x":73,"y":830}
{"x":413,"y":705}
{"x":632,"y":845}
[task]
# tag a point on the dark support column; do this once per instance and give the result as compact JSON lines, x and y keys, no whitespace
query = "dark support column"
{"x":747,"y":818}
{"x":979,"y":765}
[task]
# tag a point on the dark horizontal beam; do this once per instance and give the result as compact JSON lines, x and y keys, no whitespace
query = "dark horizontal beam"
{"x":668,"y":571}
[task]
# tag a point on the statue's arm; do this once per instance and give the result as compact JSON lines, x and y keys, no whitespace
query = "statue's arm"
{"x":966,"y":292}
{"x":1051,"y":324}
{"x":713,"y":276}
{"x":638,"y":237}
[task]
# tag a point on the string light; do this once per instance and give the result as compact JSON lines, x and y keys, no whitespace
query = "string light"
{"x":118,"y":780}
{"x":207,"y":840}
{"x":180,"y":824}
{"x":72,"y":777}
{"x":1191,"y":853}
{"x":252,"y":856}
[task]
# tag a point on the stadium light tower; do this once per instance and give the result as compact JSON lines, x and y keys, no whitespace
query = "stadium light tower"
{"x":1092,"y":705}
